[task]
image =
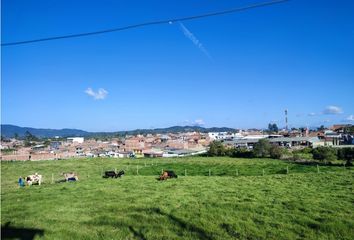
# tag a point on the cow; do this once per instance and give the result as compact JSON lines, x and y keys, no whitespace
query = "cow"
{"x":168,"y":174}
{"x":71,"y":176}
{"x":31,"y":179}
{"x":113,"y":174}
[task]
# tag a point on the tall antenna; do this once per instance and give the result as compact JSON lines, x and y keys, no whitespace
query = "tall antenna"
{"x":286,"y":119}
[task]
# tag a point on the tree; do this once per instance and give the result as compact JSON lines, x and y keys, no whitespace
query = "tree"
{"x":275,"y":152}
{"x":273,"y":127}
{"x":16,"y":136}
{"x":324,"y":154}
{"x":321,"y":128}
{"x":30,"y":137}
{"x":216,"y":148}
{"x":262,"y":148}
{"x":346,"y":154}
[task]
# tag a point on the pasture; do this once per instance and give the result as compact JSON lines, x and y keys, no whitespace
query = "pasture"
{"x":212,"y":198}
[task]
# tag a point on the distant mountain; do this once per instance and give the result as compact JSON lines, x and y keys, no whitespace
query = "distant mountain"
{"x":9,"y":131}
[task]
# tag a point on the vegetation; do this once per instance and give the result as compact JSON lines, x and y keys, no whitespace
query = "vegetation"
{"x":262,"y":148}
{"x":216,"y":148}
{"x":346,"y":154}
{"x":275,"y":152}
{"x":235,"y":202}
{"x":324,"y":154}
{"x":273,"y":128}
{"x":7,"y":150}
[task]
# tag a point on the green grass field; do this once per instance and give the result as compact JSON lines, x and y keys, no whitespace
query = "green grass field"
{"x":241,"y":199}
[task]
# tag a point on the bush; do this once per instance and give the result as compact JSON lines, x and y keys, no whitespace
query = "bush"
{"x":275,"y":152}
{"x":307,"y":150}
{"x":216,"y":149}
{"x":324,"y":153}
{"x":240,"y":153}
{"x":262,"y":148}
{"x":346,"y":154}
{"x":296,"y":156}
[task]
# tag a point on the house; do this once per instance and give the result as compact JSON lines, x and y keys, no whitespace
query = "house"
{"x":75,"y":140}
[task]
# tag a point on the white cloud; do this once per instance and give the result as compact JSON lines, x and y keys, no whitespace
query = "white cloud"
{"x":194,"y":40}
{"x":311,"y":114}
{"x":99,"y":95}
{"x":199,"y":122}
{"x":350,"y":118}
{"x":332,"y":110}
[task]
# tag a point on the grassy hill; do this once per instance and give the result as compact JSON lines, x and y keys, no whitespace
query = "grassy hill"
{"x":242,"y":199}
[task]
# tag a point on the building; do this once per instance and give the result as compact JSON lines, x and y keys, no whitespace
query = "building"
{"x":75,"y":139}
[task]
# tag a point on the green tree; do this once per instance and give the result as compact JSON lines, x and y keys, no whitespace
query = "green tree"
{"x":346,"y":154}
{"x":321,"y":128}
{"x":273,"y":127}
{"x":262,"y":148}
{"x":275,"y":152}
{"x":216,"y":148}
{"x":324,"y":154}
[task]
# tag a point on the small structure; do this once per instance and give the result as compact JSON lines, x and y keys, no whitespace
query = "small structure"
{"x":75,"y":139}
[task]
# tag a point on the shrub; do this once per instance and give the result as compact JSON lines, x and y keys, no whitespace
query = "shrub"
{"x":306,"y":150}
{"x":324,"y":153}
{"x":346,"y":154}
{"x":275,"y":152}
{"x":296,"y":156}
{"x":261,"y":148}
{"x":240,"y":153}
{"x":216,"y":149}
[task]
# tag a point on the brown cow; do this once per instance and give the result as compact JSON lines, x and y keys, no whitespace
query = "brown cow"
{"x":168,"y":174}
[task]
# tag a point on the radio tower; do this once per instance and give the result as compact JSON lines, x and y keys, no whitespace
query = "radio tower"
{"x":286,"y":119}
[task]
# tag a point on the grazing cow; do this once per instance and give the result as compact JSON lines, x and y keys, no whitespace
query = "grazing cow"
{"x":168,"y":174}
{"x":71,"y":176}
{"x":113,"y":174}
{"x":34,"y":179}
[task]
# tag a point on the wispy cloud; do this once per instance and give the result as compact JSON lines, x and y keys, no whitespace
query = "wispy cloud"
{"x":311,"y":114}
{"x":350,"y":118}
{"x":197,"y":122}
{"x":194,"y":40}
{"x":332,"y":110}
{"x":99,"y":95}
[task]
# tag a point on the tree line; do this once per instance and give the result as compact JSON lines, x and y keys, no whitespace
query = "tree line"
{"x":264,"y":149}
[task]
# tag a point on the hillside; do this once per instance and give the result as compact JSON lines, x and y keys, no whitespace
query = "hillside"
{"x":8,"y":130}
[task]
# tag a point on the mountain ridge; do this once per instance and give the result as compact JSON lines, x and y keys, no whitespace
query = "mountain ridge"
{"x":9,"y":130}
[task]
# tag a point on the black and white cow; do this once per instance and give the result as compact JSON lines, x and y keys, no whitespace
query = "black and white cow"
{"x":71,"y":176}
{"x":31,"y":179}
{"x":113,"y":174}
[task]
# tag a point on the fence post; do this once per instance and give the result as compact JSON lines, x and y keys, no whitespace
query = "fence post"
{"x":209,"y":173}
{"x":263,"y":172}
{"x":185,"y":172}
{"x":137,"y":169}
{"x":318,"y":169}
{"x":287,"y":169}
{"x":236,"y":172}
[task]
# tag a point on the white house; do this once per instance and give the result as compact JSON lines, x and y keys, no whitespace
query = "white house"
{"x":75,"y":139}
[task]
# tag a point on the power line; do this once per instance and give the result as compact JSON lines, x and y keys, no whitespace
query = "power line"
{"x":169,"y":21}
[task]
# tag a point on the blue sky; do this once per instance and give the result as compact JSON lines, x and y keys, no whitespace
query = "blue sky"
{"x":240,"y":70}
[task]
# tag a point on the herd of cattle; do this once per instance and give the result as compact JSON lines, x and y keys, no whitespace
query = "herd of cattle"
{"x":72,"y":176}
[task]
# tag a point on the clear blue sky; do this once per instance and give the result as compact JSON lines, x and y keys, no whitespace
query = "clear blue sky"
{"x":297,"y":55}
